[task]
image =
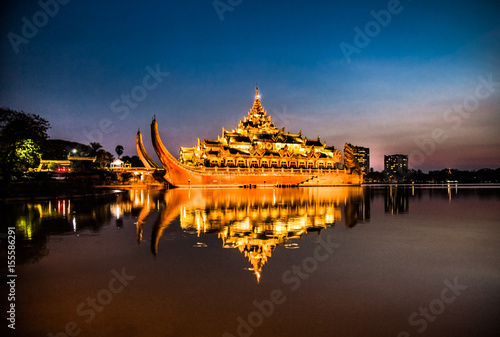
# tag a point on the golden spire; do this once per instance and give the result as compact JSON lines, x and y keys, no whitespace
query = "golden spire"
{"x":257,"y":107}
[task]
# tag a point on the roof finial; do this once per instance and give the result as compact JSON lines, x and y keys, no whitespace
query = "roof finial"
{"x":256,"y":91}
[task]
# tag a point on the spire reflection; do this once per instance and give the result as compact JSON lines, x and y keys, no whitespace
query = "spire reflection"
{"x":257,"y":221}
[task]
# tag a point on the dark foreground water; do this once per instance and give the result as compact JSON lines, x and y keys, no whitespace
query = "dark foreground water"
{"x":377,"y":261}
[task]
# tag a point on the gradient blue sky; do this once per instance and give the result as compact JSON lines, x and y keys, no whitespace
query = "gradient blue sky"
{"x":391,"y":96}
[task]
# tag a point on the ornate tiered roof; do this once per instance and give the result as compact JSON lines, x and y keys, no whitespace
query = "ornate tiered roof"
{"x":257,"y":120}
{"x":258,"y":137}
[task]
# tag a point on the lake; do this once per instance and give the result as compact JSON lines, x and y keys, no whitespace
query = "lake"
{"x":339,"y":261}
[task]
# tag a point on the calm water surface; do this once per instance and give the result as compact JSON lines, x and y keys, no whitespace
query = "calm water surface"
{"x":360,"y":261}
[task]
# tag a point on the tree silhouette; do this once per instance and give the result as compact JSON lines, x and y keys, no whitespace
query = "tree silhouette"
{"x":119,"y":150}
{"x":18,"y":125}
{"x":95,"y":147}
{"x":104,"y":158}
{"x":21,"y":135}
{"x":135,"y":161}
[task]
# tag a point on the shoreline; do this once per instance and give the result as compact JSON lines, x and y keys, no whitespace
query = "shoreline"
{"x":98,"y":193}
{"x":27,"y":191}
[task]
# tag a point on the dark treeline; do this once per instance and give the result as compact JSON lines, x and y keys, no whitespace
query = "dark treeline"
{"x":481,"y":176}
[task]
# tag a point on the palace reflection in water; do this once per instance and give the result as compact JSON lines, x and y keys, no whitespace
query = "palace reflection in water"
{"x":255,"y":221}
{"x":398,"y":244}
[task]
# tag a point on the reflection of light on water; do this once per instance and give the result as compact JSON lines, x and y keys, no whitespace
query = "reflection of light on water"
{"x":258,"y":221}
{"x":117,"y":211}
{"x":40,"y":211}
{"x":29,"y":222}
{"x":450,"y":190}
{"x":300,"y":222}
{"x":265,"y":212}
{"x":244,"y":226}
{"x":254,"y":227}
{"x":198,"y":225}
{"x":275,"y":212}
{"x":74,"y":224}
{"x":61,"y":207}
{"x":280,"y":229}
{"x":23,"y":226}
{"x":135,"y":197}
{"x":329,"y":216}
{"x":241,"y":213}
{"x":254,"y":214}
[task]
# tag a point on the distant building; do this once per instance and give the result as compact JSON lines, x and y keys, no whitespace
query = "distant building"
{"x":71,"y":164}
{"x":362,"y":155}
{"x":396,"y":164}
{"x":117,"y":164}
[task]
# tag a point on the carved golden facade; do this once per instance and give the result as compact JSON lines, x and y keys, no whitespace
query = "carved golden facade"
{"x":258,"y":143}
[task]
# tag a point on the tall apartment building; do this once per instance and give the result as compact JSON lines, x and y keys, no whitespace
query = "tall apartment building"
{"x":396,"y":164}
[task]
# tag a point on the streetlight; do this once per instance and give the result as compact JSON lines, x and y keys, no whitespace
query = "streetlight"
{"x":71,"y":153}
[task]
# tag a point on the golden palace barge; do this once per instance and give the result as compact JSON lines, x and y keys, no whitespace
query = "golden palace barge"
{"x":256,"y":153}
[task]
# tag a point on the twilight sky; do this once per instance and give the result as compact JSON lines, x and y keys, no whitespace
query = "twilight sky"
{"x":415,"y":77}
